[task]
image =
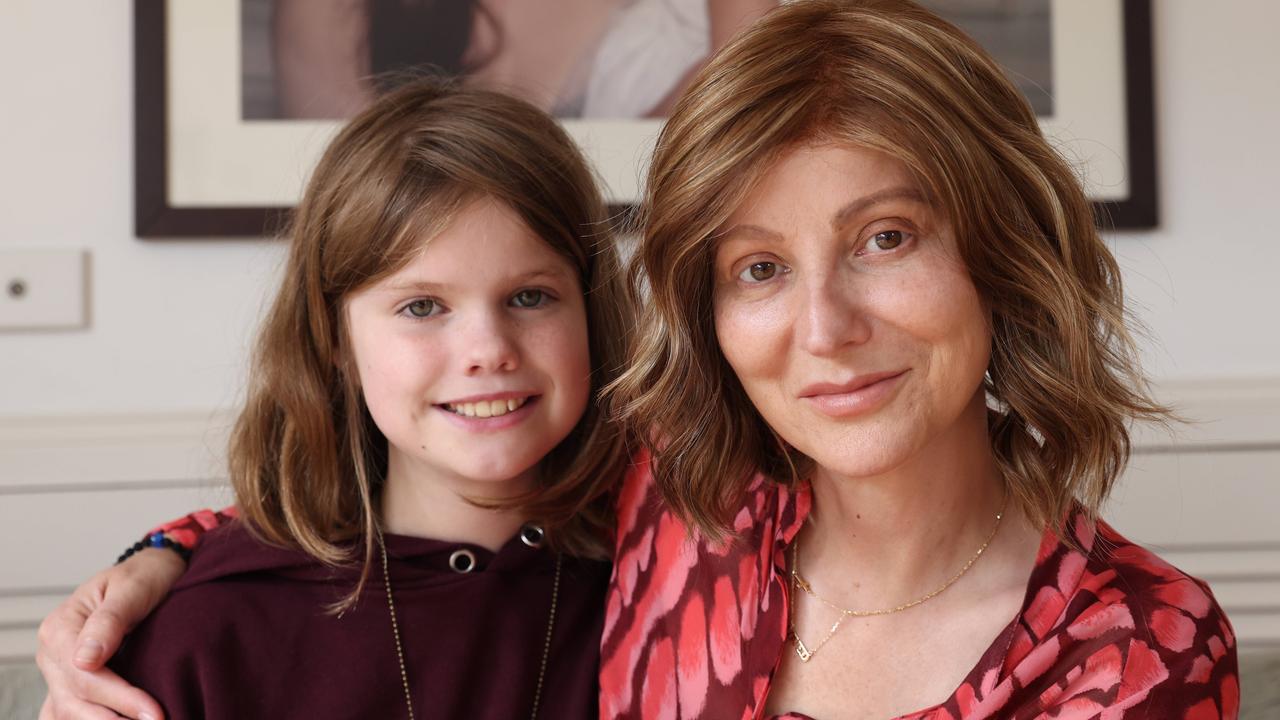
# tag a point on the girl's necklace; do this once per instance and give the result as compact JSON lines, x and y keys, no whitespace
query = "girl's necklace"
{"x":395,"y":631}
{"x":799,"y":583}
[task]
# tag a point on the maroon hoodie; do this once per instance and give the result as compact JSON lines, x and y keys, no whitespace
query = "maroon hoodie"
{"x":245,"y":634}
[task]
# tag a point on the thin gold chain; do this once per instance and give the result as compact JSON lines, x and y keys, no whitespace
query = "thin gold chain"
{"x":395,"y":628}
{"x":395,"y":631}
{"x":799,"y":583}
{"x":546,"y":648}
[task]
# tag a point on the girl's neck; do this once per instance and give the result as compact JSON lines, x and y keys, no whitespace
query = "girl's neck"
{"x":879,"y":539}
{"x":421,"y":504}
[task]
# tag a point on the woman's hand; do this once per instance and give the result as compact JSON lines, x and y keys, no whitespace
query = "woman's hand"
{"x":81,"y":634}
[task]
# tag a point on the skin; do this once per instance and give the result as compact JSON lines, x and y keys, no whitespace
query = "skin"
{"x":486,"y":307}
{"x":842,"y":305}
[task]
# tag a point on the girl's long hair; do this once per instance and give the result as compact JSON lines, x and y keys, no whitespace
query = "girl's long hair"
{"x":306,"y":460}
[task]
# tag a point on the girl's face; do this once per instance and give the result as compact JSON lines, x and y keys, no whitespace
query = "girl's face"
{"x":473,"y":358}
{"x":844,"y":308}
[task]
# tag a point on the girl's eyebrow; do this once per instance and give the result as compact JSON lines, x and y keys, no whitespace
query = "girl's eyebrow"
{"x":542,"y":273}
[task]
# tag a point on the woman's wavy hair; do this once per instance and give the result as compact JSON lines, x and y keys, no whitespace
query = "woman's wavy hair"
{"x":306,"y":459}
{"x":1063,"y":380}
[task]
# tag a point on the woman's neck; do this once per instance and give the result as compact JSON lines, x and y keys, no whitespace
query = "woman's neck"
{"x":881,"y":540}
{"x":419,"y":503}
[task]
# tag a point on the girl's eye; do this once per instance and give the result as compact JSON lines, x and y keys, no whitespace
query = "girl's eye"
{"x":885,"y":240}
{"x":421,"y":308}
{"x":528,"y":298}
{"x":759,"y":272}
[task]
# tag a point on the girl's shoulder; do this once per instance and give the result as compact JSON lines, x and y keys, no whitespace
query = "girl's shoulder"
{"x":232,"y":550}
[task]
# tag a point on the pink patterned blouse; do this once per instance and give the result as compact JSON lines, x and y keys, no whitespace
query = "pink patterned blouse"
{"x":694,"y":630}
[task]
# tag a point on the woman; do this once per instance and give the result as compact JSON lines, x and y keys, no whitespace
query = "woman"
{"x":886,"y":378}
{"x":870,"y":277}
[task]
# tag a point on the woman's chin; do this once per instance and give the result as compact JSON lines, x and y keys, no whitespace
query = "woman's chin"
{"x":861,"y":457}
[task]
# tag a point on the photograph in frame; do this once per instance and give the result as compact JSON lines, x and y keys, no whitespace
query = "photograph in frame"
{"x":225,"y":141}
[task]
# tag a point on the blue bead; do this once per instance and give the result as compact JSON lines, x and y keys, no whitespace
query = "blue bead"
{"x":157,"y":540}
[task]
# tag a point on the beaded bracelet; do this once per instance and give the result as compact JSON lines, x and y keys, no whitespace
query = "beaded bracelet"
{"x":156,"y":540}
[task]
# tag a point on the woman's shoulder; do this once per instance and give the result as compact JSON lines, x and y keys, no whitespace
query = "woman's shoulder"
{"x":678,"y":597}
{"x":1110,"y":618}
{"x":1170,"y":608}
{"x":767,"y":508}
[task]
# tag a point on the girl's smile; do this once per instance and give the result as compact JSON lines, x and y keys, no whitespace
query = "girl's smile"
{"x":490,"y":413}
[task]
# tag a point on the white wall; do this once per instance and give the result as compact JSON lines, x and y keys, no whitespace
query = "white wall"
{"x":171,"y":321}
{"x":1205,"y":281}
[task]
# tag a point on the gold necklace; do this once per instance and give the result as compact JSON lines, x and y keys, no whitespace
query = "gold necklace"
{"x":395,"y":631}
{"x":798,"y":582}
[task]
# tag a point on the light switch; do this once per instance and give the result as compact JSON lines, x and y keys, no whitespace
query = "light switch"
{"x":43,"y":289}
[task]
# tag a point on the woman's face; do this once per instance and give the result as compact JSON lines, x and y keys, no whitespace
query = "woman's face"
{"x":844,"y":309}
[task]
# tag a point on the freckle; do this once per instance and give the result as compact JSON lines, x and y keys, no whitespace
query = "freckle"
{"x":858,"y":516}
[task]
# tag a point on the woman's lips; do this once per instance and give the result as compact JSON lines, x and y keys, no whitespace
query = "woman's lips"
{"x":862,"y":395}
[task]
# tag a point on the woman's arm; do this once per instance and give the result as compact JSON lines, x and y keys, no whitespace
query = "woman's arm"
{"x":80,"y":635}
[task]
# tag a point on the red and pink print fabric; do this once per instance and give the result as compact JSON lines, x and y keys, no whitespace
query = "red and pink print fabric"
{"x":695,"y":630}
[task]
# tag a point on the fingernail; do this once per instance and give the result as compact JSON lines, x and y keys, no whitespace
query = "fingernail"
{"x":146,"y":716}
{"x":89,"y":651}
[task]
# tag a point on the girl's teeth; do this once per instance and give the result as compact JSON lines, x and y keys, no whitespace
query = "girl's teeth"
{"x":487,"y":408}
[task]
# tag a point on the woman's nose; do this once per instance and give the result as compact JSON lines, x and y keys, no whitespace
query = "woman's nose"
{"x":831,"y":315}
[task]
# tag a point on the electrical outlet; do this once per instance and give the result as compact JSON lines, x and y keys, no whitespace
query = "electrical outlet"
{"x":43,"y":289}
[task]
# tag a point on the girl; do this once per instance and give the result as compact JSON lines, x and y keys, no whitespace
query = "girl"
{"x":420,"y":471}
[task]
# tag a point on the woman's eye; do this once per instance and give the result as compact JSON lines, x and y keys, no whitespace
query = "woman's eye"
{"x":421,"y":308}
{"x":528,"y":298}
{"x":759,"y":272}
{"x":885,"y":240}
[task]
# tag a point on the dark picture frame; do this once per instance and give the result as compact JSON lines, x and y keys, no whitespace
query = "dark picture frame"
{"x":158,"y":215}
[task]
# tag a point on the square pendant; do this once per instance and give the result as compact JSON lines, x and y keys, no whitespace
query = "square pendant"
{"x":802,"y":651}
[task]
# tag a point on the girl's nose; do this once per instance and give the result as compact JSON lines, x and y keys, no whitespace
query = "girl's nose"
{"x":488,"y":346}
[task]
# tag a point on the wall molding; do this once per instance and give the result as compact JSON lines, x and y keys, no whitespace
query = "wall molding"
{"x":1202,"y":496}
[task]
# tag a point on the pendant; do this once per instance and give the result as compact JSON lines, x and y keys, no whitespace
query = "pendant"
{"x":802,"y":651}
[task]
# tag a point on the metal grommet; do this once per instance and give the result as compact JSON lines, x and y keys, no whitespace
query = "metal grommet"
{"x":462,"y":561}
{"x":532,"y":536}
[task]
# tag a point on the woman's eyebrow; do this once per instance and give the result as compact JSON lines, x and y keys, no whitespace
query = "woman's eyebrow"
{"x":842,"y":216}
{"x":904,"y":192}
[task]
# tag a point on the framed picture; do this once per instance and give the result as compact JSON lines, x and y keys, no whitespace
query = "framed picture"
{"x":232,"y":112}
